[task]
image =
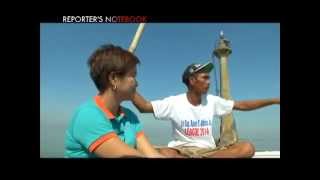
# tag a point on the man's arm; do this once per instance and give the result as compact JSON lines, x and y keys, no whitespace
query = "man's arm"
{"x":254,"y":104}
{"x":141,"y":104}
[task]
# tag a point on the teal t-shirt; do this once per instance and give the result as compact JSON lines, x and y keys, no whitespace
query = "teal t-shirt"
{"x":91,"y":125}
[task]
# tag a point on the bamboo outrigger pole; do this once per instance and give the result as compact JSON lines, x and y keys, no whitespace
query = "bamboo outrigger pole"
{"x":136,"y":38}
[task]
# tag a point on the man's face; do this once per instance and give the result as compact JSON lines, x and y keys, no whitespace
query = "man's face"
{"x":200,"y":82}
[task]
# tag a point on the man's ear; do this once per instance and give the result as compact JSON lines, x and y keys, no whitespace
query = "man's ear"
{"x":192,"y":80}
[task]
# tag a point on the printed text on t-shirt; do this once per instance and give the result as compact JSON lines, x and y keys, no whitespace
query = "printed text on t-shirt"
{"x":196,"y":127}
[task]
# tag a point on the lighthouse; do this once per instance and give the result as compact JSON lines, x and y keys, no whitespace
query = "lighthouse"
{"x":228,"y":132}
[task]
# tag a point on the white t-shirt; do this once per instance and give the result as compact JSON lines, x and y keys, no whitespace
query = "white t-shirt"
{"x":191,"y":125}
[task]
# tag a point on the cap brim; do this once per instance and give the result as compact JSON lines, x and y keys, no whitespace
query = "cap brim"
{"x":205,"y":68}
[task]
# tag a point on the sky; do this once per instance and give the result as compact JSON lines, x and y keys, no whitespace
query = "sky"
{"x":165,"y":49}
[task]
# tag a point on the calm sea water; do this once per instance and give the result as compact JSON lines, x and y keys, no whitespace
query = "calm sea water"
{"x":158,"y":132}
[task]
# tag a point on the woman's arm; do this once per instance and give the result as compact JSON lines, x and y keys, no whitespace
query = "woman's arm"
{"x":144,"y":146}
{"x":116,"y":148}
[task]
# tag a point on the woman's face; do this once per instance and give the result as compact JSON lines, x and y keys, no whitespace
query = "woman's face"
{"x":127,"y":84}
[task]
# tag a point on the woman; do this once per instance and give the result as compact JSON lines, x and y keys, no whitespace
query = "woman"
{"x":101,"y":127}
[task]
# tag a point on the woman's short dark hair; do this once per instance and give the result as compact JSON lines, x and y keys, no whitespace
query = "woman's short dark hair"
{"x":109,"y":58}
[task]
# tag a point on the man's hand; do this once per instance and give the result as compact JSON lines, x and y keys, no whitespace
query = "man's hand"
{"x":254,"y":104}
{"x":141,"y":104}
{"x":276,"y":100}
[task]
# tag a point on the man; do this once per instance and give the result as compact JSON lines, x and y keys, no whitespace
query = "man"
{"x":192,"y":114}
